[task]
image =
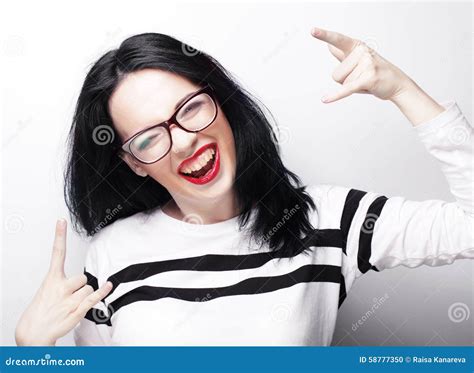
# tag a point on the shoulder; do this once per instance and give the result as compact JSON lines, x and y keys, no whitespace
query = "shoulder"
{"x":121,"y":233}
{"x":329,"y":200}
{"x":121,"y":228}
{"x":327,"y":192}
{"x":329,"y":195}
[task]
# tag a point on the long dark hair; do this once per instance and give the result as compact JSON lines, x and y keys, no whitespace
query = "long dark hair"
{"x":97,"y":181}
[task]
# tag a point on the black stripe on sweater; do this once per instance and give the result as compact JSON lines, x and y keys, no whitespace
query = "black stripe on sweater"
{"x":94,"y":314}
{"x":91,"y":280}
{"x":251,"y":286}
{"x":342,"y":292}
{"x":324,"y":238}
{"x":366,"y":234}
{"x":351,"y":205}
{"x":98,"y":316}
{"x":219,"y":262}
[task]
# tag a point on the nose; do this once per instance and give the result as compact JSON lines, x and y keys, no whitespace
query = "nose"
{"x":182,"y":141}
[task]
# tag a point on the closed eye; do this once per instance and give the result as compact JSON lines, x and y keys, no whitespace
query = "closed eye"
{"x":143,"y":145}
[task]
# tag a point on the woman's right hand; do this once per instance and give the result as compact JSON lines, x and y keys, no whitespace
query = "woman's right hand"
{"x":60,"y":303}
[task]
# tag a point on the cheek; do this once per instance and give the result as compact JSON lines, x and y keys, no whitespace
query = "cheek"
{"x":230,"y":146}
{"x":161,"y":171}
{"x":226,"y":137}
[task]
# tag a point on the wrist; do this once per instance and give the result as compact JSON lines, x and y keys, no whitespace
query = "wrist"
{"x":27,"y":342}
{"x":416,"y":104}
{"x":408,"y":90}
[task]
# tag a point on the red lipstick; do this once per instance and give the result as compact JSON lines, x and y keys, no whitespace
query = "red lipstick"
{"x":210,"y":174}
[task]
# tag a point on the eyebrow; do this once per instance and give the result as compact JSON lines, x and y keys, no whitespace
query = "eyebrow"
{"x":175,"y":108}
{"x":184,"y":99}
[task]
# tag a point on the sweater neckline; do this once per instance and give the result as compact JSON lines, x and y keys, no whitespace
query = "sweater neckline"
{"x":192,"y":226}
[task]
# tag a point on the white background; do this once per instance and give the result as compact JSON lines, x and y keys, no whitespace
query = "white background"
{"x":361,"y":142}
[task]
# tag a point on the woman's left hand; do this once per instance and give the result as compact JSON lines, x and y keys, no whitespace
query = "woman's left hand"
{"x":361,"y":70}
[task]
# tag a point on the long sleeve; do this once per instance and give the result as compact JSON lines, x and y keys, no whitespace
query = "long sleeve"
{"x":94,"y":329}
{"x":380,"y":232}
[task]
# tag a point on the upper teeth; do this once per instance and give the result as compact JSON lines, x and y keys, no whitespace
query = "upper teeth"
{"x":200,"y":162}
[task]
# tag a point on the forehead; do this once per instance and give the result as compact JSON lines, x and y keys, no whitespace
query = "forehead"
{"x":146,"y":97}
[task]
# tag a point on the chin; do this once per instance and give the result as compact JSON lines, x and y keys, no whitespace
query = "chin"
{"x":216,"y":189}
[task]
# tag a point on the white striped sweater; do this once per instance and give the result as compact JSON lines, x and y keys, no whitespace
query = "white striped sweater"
{"x":178,"y":283}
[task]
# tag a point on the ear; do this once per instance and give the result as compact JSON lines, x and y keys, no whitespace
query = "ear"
{"x":133,"y":164}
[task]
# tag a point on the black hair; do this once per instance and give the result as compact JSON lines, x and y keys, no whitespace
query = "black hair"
{"x":97,"y":180}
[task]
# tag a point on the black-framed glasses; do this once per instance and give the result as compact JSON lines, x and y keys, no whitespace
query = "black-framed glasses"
{"x":196,"y":113}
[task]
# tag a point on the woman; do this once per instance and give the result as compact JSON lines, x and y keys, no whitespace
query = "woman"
{"x":201,"y":236}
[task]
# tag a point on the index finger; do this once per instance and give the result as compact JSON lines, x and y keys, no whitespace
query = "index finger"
{"x":59,"y":248}
{"x":343,"y":42}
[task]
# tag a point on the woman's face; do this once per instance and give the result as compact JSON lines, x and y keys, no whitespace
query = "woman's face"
{"x":148,"y":97}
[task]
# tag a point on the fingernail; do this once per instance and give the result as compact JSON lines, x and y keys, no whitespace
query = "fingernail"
{"x":315,"y":31}
{"x":61,"y":222}
{"x":324,"y":98}
{"x":109,"y":284}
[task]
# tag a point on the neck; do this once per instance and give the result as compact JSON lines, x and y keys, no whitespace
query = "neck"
{"x":203,"y":211}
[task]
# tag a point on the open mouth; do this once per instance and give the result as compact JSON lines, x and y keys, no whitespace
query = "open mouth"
{"x":203,"y":166}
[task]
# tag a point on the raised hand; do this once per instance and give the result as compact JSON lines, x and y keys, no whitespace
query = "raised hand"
{"x":361,"y":70}
{"x":60,"y":303}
